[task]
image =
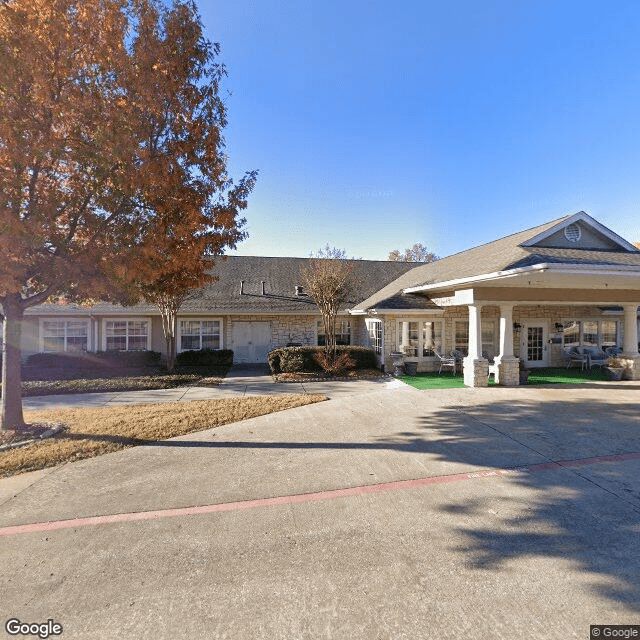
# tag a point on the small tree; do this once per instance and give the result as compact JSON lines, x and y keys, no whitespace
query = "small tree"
{"x":167,"y":272}
{"x":417,"y":253}
{"x":329,"y":279}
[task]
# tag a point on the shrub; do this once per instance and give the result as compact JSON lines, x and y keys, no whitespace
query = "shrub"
{"x":334,"y":366}
{"x":303,"y":359}
{"x":205,"y":357}
{"x":98,"y":360}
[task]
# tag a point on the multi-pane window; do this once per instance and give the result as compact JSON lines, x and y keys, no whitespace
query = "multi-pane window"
{"x":410,"y":337}
{"x":343,"y":333}
{"x":431,"y":338}
{"x":127,"y":335}
{"x":590,"y":333}
{"x":422,"y":338}
{"x":199,"y":334}
{"x":571,"y":333}
{"x":375,"y":335}
{"x":462,"y":337}
{"x":489,"y":338}
{"x":65,"y":335}
{"x":609,"y":333}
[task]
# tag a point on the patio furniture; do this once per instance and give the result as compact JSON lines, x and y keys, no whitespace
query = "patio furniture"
{"x":613,"y":351}
{"x":576,"y":356}
{"x":596,"y":357}
{"x":447,"y":362}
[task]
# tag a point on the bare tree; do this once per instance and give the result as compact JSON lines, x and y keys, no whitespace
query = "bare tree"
{"x":417,"y":253}
{"x":329,"y":279}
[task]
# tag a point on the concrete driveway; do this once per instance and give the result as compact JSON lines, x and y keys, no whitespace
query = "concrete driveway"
{"x":501,"y":513}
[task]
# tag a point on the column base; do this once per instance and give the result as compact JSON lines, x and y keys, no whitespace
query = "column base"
{"x":631,"y":367}
{"x":507,"y":371}
{"x":476,"y":372}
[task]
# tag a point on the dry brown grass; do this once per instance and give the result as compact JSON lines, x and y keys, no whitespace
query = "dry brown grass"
{"x":95,"y":431}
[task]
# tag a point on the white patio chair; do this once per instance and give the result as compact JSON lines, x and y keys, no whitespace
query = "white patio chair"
{"x":447,"y":362}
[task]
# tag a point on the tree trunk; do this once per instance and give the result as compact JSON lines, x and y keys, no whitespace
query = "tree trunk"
{"x":11,"y":416}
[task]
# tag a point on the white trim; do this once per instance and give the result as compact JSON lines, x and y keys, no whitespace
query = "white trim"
{"x":580,"y":269}
{"x":200,"y":318}
{"x":65,"y":319}
{"x":545,"y":343}
{"x":126,"y":319}
{"x":581,"y":216}
{"x":420,"y":322}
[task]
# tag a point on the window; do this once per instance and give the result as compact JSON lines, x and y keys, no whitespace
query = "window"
{"x":65,"y":335}
{"x":126,"y":335}
{"x":590,"y":333}
{"x":421,"y":338}
{"x":199,"y":334}
{"x":410,"y":337}
{"x":489,"y":338}
{"x":375,"y":335}
{"x":609,"y":333}
{"x":431,"y":338}
{"x":343,"y":333}
{"x":462,"y":336}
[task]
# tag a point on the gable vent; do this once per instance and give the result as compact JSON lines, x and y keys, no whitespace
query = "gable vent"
{"x":572,"y":232}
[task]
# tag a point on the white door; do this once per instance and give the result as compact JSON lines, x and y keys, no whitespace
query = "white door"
{"x":534,"y":347}
{"x":251,"y":341}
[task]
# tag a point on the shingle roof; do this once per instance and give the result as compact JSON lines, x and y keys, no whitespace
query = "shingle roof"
{"x":280,"y":275}
{"x":499,"y":255}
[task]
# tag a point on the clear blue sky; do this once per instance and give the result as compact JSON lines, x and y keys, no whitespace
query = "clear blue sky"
{"x":375,"y":125}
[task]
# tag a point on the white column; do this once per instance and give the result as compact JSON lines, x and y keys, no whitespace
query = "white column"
{"x":475,"y":332}
{"x":405,"y":334}
{"x":630,"y":342}
{"x":506,"y":331}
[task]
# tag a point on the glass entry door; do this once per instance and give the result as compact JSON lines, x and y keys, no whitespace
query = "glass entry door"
{"x":534,"y":349}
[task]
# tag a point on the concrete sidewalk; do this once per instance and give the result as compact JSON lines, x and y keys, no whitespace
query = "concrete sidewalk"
{"x":481,"y":551}
{"x":241,"y":380}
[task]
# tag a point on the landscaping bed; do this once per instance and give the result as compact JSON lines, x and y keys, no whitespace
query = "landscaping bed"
{"x":319,"y":376}
{"x":88,"y":432}
{"x":117,"y":382}
{"x":53,"y":373}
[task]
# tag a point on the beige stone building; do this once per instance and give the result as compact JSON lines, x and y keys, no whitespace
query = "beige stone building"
{"x":526,"y":297}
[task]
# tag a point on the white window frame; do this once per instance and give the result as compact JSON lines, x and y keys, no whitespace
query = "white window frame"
{"x":490,"y":347}
{"x":200,"y":319}
{"x":340,"y":322}
{"x":126,"y":319}
{"x":375,"y":329}
{"x":599,"y":322}
{"x":41,"y":322}
{"x":420,"y":346}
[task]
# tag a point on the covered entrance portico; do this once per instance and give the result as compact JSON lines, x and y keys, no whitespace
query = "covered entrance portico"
{"x":534,"y":305}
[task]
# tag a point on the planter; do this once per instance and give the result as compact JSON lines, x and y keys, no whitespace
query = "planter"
{"x":411,"y":368}
{"x":614,"y":373}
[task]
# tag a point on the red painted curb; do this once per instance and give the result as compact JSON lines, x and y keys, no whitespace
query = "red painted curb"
{"x":41,"y":527}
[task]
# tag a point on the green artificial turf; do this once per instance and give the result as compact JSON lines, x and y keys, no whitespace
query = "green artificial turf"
{"x":537,"y":376}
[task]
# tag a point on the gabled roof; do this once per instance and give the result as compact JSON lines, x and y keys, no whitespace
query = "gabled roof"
{"x":520,"y":249}
{"x":280,"y":275}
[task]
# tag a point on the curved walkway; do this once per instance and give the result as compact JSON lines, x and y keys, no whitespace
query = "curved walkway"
{"x":241,"y":380}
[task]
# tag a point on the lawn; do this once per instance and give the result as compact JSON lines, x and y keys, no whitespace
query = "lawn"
{"x":94,"y":431}
{"x":536,"y":377}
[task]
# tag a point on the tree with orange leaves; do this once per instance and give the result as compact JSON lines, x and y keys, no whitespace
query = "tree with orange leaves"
{"x":112,"y":165}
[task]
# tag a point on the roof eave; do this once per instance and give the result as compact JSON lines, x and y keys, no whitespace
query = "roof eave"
{"x":586,"y":269}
